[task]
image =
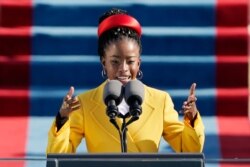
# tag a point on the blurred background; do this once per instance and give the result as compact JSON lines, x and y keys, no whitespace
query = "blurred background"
{"x":46,"y":46}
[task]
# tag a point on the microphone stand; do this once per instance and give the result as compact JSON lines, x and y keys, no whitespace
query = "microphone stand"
{"x":112,"y":111}
{"x":135,"y":112}
{"x":123,"y":131}
{"x":124,"y":136}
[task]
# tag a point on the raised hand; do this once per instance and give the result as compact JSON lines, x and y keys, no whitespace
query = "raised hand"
{"x":189,"y":106}
{"x":70,"y":103}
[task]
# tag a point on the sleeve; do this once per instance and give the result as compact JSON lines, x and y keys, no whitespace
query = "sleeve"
{"x":60,"y":121}
{"x":69,"y":136}
{"x":181,"y":136}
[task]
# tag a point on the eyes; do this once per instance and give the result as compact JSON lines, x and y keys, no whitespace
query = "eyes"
{"x":118,"y":61}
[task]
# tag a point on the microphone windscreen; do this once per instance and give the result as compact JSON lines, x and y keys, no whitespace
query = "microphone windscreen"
{"x":134,"y":90}
{"x":112,"y":91}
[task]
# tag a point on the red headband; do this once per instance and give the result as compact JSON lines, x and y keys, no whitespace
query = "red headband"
{"x":119,"y":20}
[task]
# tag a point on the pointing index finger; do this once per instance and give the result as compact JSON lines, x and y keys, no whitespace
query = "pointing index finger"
{"x":192,"y":89}
{"x":71,"y":92}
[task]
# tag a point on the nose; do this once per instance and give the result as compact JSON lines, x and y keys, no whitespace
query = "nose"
{"x":123,"y":66}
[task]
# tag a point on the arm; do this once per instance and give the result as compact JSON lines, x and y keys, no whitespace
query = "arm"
{"x":181,"y":135}
{"x":68,"y":137}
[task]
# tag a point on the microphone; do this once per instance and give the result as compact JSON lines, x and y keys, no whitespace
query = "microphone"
{"x":134,"y":95}
{"x":112,"y":97}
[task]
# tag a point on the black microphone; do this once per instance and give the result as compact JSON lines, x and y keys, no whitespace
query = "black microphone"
{"x":134,"y":96}
{"x":112,"y":97}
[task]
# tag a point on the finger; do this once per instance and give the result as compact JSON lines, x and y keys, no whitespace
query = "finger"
{"x":189,"y":111}
{"x":76,"y":107}
{"x":185,"y":108}
{"x":70,"y":107}
{"x":69,"y":94}
{"x":71,"y":100}
{"x":74,"y":104}
{"x":192,"y":89}
{"x":64,"y":106}
{"x":190,"y":102}
{"x":186,"y":112}
{"x":71,"y":91}
{"x":185,"y":103}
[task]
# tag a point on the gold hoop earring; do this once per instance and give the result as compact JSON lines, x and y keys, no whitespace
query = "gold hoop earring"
{"x":104,"y":74}
{"x":139,"y":75}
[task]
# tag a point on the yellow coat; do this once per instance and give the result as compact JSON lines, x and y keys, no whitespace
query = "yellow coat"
{"x":158,"y":119}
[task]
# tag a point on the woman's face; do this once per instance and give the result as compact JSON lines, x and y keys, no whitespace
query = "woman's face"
{"x":122,"y":60}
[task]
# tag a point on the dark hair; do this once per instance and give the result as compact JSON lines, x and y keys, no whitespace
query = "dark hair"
{"x":116,"y":33}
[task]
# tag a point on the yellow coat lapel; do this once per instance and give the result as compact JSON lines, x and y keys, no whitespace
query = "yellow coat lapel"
{"x":98,"y":113}
{"x":147,"y":110}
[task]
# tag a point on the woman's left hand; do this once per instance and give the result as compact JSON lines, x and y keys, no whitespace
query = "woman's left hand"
{"x":189,"y":107}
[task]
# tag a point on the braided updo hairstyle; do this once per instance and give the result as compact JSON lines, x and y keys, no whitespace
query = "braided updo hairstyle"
{"x":116,"y":33}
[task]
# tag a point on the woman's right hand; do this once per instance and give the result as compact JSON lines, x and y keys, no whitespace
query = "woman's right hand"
{"x":70,"y":103}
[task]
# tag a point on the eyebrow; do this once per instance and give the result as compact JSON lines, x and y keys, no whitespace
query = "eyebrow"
{"x":116,"y":56}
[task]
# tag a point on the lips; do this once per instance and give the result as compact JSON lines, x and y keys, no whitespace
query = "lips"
{"x":124,"y":79}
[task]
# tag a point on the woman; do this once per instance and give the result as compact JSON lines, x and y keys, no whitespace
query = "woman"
{"x":119,"y":48}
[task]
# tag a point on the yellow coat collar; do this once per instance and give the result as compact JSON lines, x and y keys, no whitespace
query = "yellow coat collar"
{"x":103,"y":121}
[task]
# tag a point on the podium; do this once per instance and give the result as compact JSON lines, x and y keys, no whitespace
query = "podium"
{"x":127,"y":160}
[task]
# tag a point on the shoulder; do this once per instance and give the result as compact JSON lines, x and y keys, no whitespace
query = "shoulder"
{"x":154,"y":94}
{"x":94,"y":92}
{"x":157,"y":98}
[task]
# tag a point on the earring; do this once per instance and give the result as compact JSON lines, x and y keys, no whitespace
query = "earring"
{"x":139,"y":75}
{"x":104,"y":74}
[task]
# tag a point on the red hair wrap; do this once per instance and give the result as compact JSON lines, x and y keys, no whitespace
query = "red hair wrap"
{"x":119,"y":20}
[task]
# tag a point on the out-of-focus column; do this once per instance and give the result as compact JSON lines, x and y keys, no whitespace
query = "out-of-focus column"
{"x":249,"y":60}
{"x":15,"y":51}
